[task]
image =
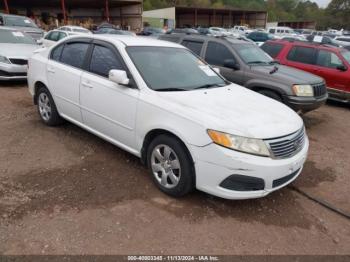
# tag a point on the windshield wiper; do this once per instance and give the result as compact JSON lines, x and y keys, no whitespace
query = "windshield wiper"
{"x":171,"y":89}
{"x":207,"y":86}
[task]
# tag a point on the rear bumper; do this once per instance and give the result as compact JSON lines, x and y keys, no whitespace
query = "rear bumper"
{"x":305,"y":104}
{"x":12,"y":72}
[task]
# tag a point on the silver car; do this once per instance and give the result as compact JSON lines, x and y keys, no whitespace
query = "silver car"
{"x":15,"y":50}
{"x":23,"y":24}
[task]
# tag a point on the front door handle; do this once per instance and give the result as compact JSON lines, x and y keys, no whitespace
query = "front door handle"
{"x":88,"y":85}
{"x":50,"y":70}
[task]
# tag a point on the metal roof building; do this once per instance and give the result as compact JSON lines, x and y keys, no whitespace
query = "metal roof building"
{"x":126,"y":13}
{"x":181,"y":16}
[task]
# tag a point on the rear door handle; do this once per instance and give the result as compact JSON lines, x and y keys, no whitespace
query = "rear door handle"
{"x":88,"y":85}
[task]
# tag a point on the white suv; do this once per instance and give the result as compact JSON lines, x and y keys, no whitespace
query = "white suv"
{"x":163,"y":104}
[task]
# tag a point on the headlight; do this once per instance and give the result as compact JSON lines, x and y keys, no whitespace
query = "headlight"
{"x":238,"y":143}
{"x":303,"y":90}
{"x":4,"y":59}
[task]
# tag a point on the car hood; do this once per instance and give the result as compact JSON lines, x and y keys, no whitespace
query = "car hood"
{"x":288,"y":75}
{"x":17,"y":50}
{"x":235,"y":110}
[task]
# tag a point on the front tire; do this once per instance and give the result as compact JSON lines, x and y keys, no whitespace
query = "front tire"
{"x":47,"y":108}
{"x":171,"y":166}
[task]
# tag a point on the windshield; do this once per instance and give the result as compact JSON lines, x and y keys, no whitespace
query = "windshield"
{"x":173,"y":69}
{"x":15,"y":37}
{"x":19,"y":21}
{"x":252,"y":54}
{"x":346,"y":55}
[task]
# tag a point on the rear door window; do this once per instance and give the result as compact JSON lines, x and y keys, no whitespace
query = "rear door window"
{"x":272,"y":49}
{"x":194,"y":46}
{"x":217,"y":53}
{"x":301,"y":54}
{"x":74,"y":54}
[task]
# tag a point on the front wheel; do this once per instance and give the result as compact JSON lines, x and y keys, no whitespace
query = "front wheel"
{"x":171,"y":166}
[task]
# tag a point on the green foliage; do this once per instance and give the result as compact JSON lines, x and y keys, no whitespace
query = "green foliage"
{"x":336,"y":15}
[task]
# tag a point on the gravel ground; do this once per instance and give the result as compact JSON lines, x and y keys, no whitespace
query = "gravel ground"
{"x":65,"y":191}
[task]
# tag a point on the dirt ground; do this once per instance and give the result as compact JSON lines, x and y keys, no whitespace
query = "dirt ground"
{"x":65,"y":191}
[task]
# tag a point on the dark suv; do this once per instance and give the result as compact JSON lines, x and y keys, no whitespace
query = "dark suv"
{"x":246,"y":64}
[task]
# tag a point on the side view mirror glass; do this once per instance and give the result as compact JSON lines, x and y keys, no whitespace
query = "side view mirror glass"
{"x":119,"y":77}
{"x":230,"y":63}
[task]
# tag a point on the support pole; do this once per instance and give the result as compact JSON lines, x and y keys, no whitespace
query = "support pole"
{"x":63,"y":6}
{"x":107,"y":11}
{"x":195,"y":18}
{"x":7,"y":10}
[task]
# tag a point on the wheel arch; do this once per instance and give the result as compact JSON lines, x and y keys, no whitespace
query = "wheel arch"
{"x":152,"y":134}
{"x":37,"y":86}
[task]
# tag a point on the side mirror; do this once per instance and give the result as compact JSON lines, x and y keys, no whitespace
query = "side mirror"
{"x":119,"y":77}
{"x":230,"y":63}
{"x":217,"y":70}
{"x":342,"y":68}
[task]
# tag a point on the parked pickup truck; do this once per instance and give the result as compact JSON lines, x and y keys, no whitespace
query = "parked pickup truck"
{"x":246,"y":64}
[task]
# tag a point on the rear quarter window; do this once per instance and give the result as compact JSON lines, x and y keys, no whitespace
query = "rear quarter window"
{"x":272,"y":49}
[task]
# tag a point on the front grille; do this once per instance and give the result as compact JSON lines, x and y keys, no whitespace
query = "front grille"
{"x":319,"y":89}
{"x":287,"y":146}
{"x":19,"y":61}
{"x":283,"y":180}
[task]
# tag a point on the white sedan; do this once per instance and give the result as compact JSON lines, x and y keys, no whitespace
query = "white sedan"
{"x":163,"y":104}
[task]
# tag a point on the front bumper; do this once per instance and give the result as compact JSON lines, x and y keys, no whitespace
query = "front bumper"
{"x":13,"y":72}
{"x":215,"y":164}
{"x":305,"y":104}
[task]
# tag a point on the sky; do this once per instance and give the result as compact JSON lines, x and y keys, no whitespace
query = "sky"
{"x":322,"y":3}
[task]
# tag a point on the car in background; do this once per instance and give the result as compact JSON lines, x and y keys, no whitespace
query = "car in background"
{"x":245,"y":64}
{"x":183,"y":31}
{"x":23,"y":24}
{"x":52,"y":37}
{"x":281,"y":31}
{"x":152,"y":32}
{"x":220,"y":31}
{"x":74,"y":29}
{"x":342,"y":40}
{"x":113,"y":31}
{"x":208,"y":32}
{"x":260,"y":37}
{"x":190,"y":126}
{"x":327,"y":61}
{"x":240,"y":29}
{"x":15,"y":49}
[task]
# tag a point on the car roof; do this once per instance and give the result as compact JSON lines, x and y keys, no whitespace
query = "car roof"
{"x":131,"y":40}
{"x":3,"y":14}
{"x":229,"y":39}
{"x":304,"y":43}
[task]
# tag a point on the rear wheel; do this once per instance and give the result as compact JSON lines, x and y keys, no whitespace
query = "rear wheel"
{"x":171,"y":166}
{"x":47,"y":108}
{"x":271,"y":94}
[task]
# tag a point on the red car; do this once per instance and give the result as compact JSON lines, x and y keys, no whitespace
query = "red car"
{"x":331,"y":63}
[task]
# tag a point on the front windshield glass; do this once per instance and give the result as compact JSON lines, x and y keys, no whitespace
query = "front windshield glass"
{"x":15,"y":37}
{"x":173,"y":69}
{"x":346,"y":55}
{"x":19,"y":21}
{"x":251,"y":54}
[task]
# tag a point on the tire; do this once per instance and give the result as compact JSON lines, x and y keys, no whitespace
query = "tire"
{"x":271,"y":94}
{"x":47,"y":108}
{"x":173,"y":173}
